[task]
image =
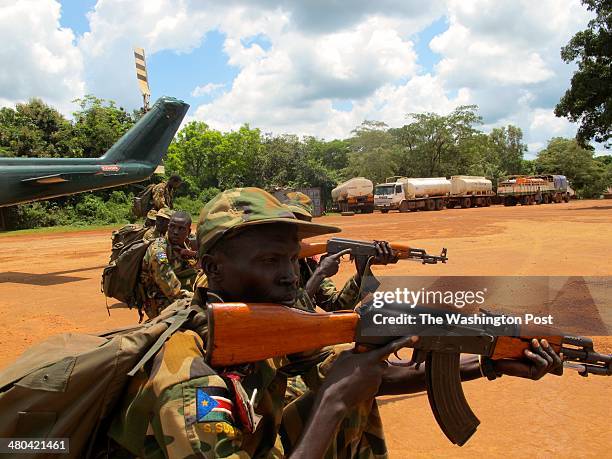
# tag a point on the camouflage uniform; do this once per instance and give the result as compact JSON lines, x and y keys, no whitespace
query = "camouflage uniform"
{"x":153,"y":233}
{"x":164,"y":277}
{"x":327,"y":297}
{"x":162,"y":196}
{"x":180,"y":407}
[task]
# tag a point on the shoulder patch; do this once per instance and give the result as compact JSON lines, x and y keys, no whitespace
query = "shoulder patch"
{"x":213,"y":405}
{"x":161,"y":256}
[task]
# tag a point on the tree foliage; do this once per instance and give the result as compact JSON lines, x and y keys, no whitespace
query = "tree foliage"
{"x":589,"y":176}
{"x":589,"y":99}
{"x":209,"y":160}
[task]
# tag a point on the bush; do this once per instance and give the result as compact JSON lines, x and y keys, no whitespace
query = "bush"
{"x":193,"y":206}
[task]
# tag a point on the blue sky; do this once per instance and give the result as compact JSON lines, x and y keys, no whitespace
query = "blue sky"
{"x":287,"y":67}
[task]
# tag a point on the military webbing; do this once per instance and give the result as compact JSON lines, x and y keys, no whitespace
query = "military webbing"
{"x":176,"y":322}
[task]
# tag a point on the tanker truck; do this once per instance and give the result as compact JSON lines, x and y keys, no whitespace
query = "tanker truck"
{"x":435,"y":193}
{"x":354,"y":194}
{"x":535,"y":189}
{"x":470,"y":191}
{"x":410,"y":194}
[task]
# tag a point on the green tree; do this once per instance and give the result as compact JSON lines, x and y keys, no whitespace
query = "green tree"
{"x":565,"y":156}
{"x":195,"y":155}
{"x":373,"y":152}
{"x":432,"y":143}
{"x":589,"y":99}
{"x":35,"y":129}
{"x":99,"y":124}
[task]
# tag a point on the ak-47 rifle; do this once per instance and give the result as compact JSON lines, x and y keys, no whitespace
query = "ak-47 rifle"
{"x":368,"y":249}
{"x":242,"y":333}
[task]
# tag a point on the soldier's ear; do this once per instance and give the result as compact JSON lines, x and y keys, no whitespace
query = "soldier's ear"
{"x":211,"y":266}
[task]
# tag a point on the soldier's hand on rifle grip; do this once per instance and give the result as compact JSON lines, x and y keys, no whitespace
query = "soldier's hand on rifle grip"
{"x":356,"y":377}
{"x":384,"y":254}
{"x":542,"y":360}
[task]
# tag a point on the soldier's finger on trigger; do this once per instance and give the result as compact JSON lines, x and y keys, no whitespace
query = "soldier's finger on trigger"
{"x":342,"y":253}
{"x":394,"y":346}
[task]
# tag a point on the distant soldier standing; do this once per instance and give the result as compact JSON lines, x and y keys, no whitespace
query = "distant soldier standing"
{"x":168,"y":267}
{"x":163,"y":193}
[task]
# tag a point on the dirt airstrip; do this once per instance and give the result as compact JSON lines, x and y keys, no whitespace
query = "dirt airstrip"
{"x":50,"y":283}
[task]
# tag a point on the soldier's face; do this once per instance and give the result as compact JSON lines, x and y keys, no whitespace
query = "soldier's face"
{"x":259,"y":265}
{"x":178,"y":231}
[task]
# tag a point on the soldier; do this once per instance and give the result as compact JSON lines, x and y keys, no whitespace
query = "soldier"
{"x":168,"y":267}
{"x":318,"y":288}
{"x":163,"y":193}
{"x":162,"y":220}
{"x":180,"y":407}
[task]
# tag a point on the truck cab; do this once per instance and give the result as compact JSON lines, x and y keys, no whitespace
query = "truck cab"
{"x":388,"y":196}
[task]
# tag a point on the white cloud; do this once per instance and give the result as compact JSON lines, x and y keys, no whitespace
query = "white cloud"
{"x":39,"y":58}
{"x":294,"y":60}
{"x":208,"y":88}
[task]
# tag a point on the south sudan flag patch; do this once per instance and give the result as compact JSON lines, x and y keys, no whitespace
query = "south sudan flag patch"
{"x":213,"y":405}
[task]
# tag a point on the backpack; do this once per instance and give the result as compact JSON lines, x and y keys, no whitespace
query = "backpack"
{"x":121,"y":277}
{"x":69,"y":385}
{"x":124,"y":236}
{"x":143,"y":202}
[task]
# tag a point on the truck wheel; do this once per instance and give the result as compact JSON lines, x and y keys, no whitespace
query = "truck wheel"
{"x":404,"y":207}
{"x":466,"y":203}
{"x":487,"y":201}
{"x":566,"y":197}
{"x":546,"y":199}
{"x":430,"y":204}
{"x":384,"y":211}
{"x":439,"y":204}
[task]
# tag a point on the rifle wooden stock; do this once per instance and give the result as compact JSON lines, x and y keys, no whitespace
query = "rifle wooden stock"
{"x":240,"y":333}
{"x":310,"y":249}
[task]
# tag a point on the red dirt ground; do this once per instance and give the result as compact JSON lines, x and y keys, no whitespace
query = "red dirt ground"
{"x":50,"y":283}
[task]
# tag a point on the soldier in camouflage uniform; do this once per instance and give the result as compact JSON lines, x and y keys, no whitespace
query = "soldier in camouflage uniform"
{"x":163,"y":193}
{"x":162,"y":219}
{"x":168,"y":267}
{"x":180,"y":407}
{"x":318,"y":289}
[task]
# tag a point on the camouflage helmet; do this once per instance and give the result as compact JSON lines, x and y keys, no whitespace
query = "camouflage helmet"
{"x":299,"y":203}
{"x":165,"y":212}
{"x":240,"y":207}
{"x":152,"y":215}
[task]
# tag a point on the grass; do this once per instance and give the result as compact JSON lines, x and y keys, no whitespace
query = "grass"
{"x":59,"y":229}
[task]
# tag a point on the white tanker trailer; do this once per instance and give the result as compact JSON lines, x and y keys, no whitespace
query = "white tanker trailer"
{"x":470,"y":191}
{"x":435,"y":193}
{"x":354,"y":194}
